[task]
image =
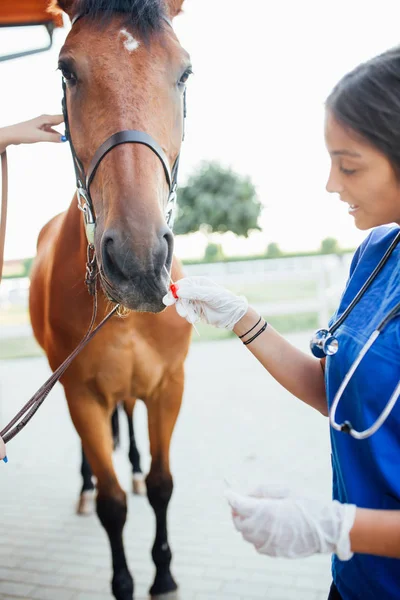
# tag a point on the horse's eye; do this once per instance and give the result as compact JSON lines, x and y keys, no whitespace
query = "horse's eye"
{"x":67,"y":74}
{"x":185,"y":76}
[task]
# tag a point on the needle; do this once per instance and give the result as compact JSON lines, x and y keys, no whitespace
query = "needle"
{"x":173,"y":289}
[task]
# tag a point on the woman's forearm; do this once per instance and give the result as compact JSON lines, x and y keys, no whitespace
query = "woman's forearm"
{"x":376,"y":532}
{"x":300,"y":374}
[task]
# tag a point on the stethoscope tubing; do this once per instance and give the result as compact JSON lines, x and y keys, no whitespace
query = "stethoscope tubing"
{"x":346,"y":426}
{"x":318,"y":349}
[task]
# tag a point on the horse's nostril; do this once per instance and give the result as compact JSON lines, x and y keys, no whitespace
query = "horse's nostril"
{"x":108,"y":253}
{"x":108,"y":243}
{"x":169,"y":238}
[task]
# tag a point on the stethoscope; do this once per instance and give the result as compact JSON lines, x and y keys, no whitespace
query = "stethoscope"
{"x":324,"y":343}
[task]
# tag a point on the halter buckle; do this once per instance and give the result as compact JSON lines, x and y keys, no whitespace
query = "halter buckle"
{"x":171,"y":207}
{"x":88,"y":216}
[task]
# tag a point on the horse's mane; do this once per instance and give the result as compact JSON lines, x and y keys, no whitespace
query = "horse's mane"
{"x":145,"y":15}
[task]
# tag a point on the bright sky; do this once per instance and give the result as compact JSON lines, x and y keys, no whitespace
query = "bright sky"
{"x":262,"y":72}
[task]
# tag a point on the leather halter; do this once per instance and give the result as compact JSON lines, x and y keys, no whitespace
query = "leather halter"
{"x":83,"y":181}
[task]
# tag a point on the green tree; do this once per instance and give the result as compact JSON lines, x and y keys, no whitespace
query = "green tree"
{"x":273,"y":250}
{"x":217,"y":200}
{"x":330,"y":246}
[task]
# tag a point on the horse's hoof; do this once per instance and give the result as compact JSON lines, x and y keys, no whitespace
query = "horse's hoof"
{"x":138,"y":484}
{"x":163,"y":584}
{"x":86,"y":503}
{"x":122,"y":585}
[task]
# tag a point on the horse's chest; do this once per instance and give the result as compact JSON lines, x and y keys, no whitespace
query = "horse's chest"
{"x":129,"y":365}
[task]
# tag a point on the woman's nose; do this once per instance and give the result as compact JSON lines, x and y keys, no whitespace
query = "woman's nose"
{"x":334,"y":184}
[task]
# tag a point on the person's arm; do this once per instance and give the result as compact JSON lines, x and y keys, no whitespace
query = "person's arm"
{"x":376,"y":532}
{"x":35,"y":130}
{"x":300,"y":374}
{"x":3,"y":453}
{"x":279,"y":523}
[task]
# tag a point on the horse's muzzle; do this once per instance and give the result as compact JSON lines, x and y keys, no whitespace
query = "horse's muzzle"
{"x":136,"y":278}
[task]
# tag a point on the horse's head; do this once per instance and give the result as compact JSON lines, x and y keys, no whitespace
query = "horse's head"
{"x":125,"y":71}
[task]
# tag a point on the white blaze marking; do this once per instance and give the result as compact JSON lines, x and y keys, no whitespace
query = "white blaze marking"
{"x":130,"y":43}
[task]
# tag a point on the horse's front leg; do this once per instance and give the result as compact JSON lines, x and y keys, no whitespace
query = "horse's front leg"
{"x":86,"y":502}
{"x":91,"y":418}
{"x":163,"y":411}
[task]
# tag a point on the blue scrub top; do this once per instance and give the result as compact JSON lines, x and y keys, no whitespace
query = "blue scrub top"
{"x":367,"y":472}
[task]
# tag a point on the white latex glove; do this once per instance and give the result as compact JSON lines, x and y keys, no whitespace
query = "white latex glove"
{"x":3,"y":453}
{"x":292,"y":527}
{"x":201,"y":298}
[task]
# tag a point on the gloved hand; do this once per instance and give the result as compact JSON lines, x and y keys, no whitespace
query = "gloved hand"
{"x":279,"y":524}
{"x":201,"y":298}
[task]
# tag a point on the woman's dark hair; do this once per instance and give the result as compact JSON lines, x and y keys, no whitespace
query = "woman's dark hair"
{"x":367,"y":100}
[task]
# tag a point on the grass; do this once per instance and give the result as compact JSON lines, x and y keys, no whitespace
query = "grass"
{"x":27,"y":347}
{"x":283,"y":323}
{"x":19,"y":347}
{"x":278,"y":291}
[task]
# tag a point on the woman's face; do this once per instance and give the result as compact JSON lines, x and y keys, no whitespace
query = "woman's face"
{"x":362,"y":176}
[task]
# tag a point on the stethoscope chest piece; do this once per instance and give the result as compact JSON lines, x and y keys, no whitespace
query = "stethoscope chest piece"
{"x":323,"y":343}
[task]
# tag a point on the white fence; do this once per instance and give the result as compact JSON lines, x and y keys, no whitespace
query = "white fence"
{"x":328,"y":272}
{"x":14,"y":292}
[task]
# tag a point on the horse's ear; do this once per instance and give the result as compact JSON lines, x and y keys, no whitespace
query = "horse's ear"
{"x":59,"y":6}
{"x":174,"y":7}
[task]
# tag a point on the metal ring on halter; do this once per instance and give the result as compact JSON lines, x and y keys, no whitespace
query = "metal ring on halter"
{"x":88,"y":216}
{"x":170,"y":208}
{"x":82,"y":196}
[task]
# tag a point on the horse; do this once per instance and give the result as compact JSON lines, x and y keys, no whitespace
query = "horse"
{"x":86,"y":502}
{"x":124,"y":80}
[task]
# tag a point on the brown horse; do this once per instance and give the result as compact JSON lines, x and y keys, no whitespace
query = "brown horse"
{"x":124,"y":71}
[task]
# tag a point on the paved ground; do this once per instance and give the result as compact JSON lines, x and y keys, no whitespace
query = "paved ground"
{"x":236,"y":423}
